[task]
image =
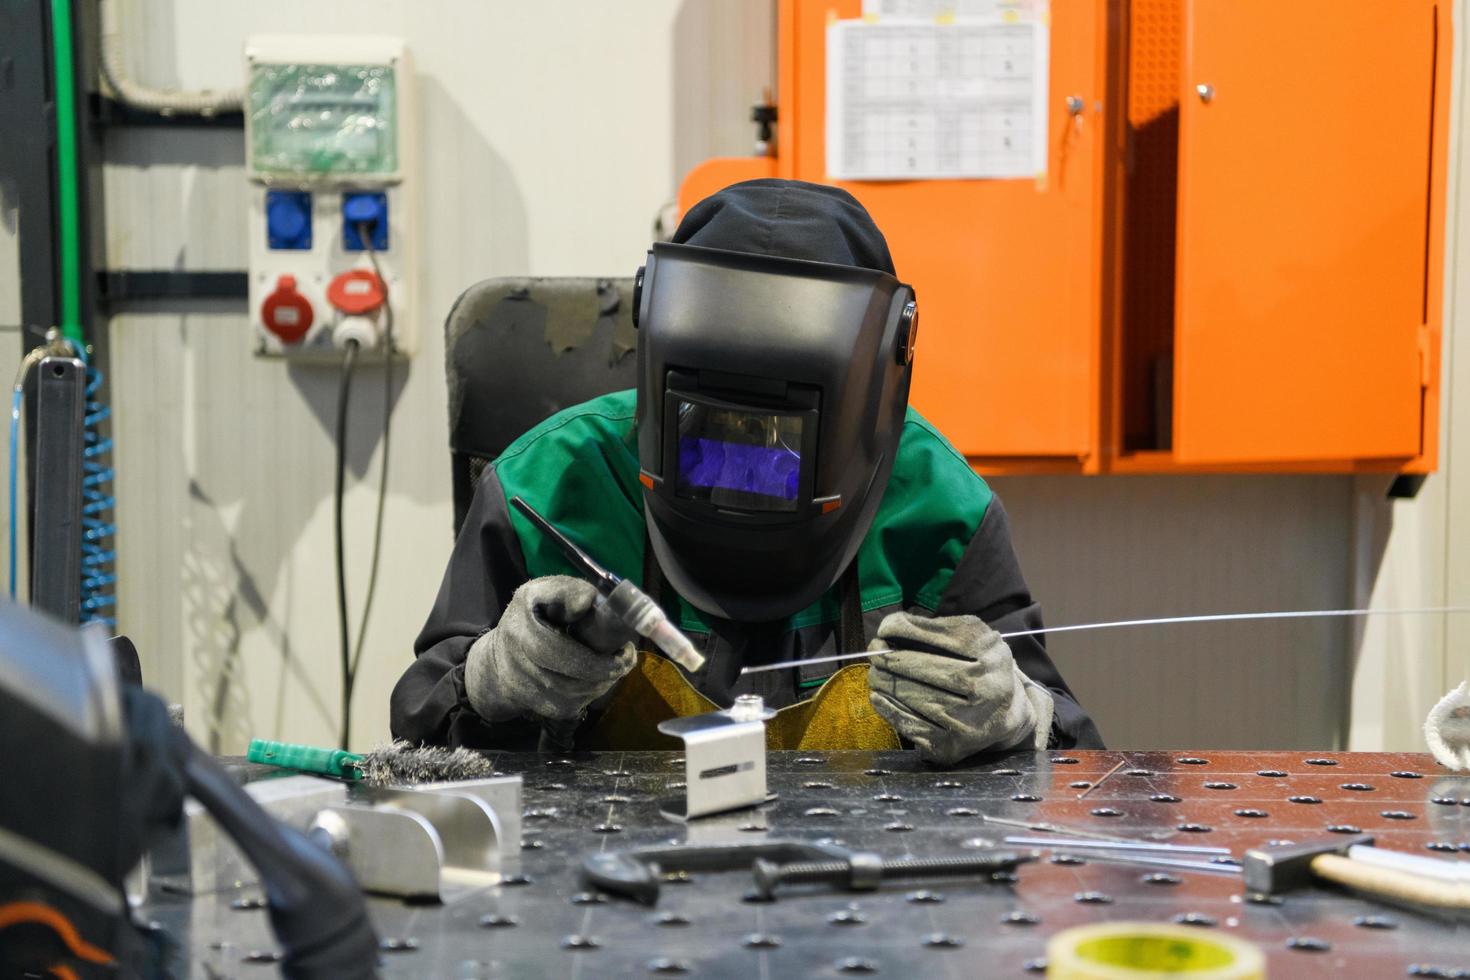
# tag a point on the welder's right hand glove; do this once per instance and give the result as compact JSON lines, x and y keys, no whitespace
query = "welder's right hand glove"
{"x":951,"y":687}
{"x":552,"y":654}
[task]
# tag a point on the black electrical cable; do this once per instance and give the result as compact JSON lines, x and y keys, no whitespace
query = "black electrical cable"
{"x":352,"y":656}
{"x":344,"y":395}
{"x":389,"y":349}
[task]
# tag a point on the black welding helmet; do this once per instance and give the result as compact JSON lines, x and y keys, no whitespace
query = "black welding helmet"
{"x":774,"y":359}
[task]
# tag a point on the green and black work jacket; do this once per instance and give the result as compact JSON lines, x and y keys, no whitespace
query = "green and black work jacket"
{"x":939,"y":545}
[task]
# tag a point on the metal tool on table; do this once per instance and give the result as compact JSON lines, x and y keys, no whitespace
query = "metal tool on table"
{"x":440,"y":843}
{"x":1177,"y":857}
{"x":638,"y":873}
{"x":439,"y":847}
{"x":624,"y":599}
{"x":1052,"y":828}
{"x":724,"y":759}
{"x":1353,"y":862}
{"x":397,"y":764}
{"x":865,"y":871}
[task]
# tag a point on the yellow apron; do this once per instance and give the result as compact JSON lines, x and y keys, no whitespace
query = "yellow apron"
{"x":838,"y":716}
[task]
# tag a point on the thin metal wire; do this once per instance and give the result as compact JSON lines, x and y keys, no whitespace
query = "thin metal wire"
{"x":1105,"y":777}
{"x":1162,"y":621}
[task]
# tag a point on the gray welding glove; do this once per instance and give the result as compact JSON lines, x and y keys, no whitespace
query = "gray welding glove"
{"x":554,"y":652}
{"x":951,"y":688}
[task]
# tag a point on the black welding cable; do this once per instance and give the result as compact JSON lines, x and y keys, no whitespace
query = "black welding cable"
{"x":344,"y":395}
{"x":352,"y":656}
{"x":364,"y":232}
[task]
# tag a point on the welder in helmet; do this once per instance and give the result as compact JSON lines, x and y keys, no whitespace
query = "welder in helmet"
{"x":769,"y":486}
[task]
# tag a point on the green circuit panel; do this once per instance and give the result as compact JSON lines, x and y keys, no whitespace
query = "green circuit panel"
{"x":323,"y":120}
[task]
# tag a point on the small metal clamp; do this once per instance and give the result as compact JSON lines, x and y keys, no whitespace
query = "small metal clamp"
{"x":724,"y":759}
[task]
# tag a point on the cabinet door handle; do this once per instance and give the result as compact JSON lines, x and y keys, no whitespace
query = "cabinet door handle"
{"x":1206,"y":92}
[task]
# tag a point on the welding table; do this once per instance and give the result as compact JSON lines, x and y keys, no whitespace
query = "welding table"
{"x":540,"y":921}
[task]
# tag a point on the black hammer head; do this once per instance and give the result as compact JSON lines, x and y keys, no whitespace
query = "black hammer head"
{"x":1274,"y":868}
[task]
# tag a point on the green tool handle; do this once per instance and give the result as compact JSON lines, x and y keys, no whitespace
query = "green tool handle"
{"x":306,"y":758}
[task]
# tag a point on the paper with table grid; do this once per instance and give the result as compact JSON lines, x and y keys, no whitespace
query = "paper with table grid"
{"x":909,"y":99}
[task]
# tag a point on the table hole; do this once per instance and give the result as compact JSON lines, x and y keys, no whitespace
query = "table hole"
{"x":760,"y":940}
{"x":1196,"y":919}
{"x":942,"y":940}
{"x":580,"y":942}
{"x":1375,"y":922}
{"x":499,"y":921}
{"x":663,"y":965}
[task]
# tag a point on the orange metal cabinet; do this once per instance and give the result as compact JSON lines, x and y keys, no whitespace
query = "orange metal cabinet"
{"x":1306,"y":284}
{"x":1250,"y":281}
{"x":1008,"y":272}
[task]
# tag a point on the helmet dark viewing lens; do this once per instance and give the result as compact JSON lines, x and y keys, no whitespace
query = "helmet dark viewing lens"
{"x":745,"y":460}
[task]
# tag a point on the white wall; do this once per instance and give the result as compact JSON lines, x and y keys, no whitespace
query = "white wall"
{"x":552,"y":134}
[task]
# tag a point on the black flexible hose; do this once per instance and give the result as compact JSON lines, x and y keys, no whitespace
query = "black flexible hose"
{"x":365,"y":233}
{"x":344,"y":396}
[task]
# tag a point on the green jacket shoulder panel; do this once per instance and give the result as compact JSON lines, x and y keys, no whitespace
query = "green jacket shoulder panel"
{"x":579,"y":469}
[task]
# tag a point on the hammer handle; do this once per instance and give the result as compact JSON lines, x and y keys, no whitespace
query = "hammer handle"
{"x":1388,"y":883}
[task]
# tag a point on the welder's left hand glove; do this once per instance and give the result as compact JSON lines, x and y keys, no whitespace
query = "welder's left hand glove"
{"x":952,"y":688}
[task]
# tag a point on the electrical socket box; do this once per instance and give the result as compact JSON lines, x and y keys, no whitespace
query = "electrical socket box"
{"x":331,"y":147}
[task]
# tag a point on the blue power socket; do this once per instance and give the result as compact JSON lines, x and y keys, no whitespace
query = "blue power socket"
{"x":360,"y":207}
{"x":288,"y":220}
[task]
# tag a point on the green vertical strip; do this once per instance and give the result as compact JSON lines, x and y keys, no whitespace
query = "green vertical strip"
{"x":68,"y":207}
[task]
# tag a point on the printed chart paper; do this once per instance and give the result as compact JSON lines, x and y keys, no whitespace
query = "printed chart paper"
{"x":910,"y":100}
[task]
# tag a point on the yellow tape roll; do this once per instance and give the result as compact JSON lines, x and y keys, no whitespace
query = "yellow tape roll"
{"x":1133,"y":950}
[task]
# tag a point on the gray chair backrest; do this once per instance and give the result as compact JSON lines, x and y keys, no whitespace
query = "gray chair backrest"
{"x":518,"y":351}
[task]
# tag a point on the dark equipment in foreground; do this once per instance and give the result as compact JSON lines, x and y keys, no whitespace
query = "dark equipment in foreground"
{"x":94,"y":771}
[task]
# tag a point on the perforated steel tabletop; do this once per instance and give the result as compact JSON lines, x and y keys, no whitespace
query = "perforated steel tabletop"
{"x":541,"y":922}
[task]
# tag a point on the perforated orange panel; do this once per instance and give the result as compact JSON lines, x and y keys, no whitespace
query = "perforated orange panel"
{"x":1155,"y":48}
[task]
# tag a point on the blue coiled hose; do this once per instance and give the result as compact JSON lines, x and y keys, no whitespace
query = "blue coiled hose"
{"x":99,"y":555}
{"x":98,"y":558}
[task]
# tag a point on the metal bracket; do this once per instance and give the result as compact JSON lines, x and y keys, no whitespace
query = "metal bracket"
{"x":724,"y":760}
{"x":413,"y":843}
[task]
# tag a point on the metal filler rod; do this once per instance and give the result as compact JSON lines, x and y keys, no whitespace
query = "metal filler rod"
{"x":1164,"y":621}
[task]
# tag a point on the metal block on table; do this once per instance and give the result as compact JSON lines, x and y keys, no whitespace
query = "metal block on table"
{"x":411,"y":843}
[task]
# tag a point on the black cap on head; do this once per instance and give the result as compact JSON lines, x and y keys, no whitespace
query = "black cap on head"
{"x":789,"y":219}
